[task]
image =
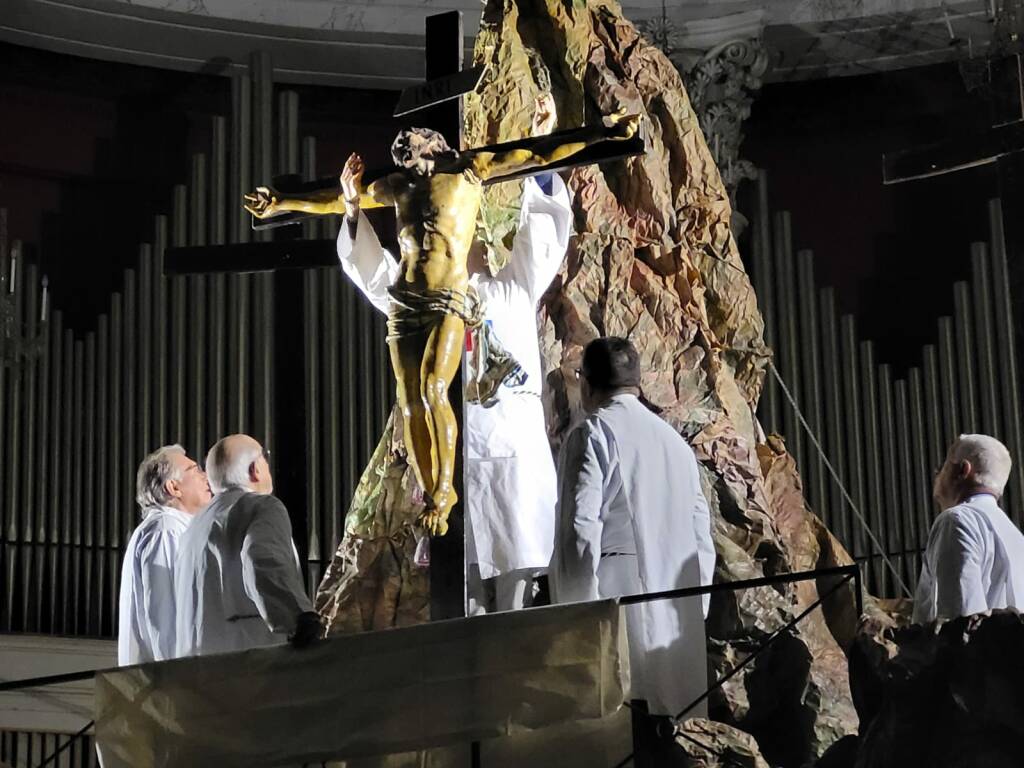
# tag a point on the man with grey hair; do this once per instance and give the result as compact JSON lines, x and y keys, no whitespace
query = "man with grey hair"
{"x":974,"y":561}
{"x":170,"y":489}
{"x":237,"y":581}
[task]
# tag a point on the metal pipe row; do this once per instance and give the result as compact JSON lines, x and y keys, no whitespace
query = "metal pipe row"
{"x":182,"y":359}
{"x":885,"y":435}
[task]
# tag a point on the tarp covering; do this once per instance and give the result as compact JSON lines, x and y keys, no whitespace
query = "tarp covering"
{"x":375,"y":693}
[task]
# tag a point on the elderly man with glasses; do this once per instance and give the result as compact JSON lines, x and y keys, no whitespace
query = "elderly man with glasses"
{"x":170,"y":489}
{"x":238,"y":581}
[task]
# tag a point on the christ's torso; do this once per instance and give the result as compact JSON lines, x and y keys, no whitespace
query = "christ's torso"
{"x":436,"y":218}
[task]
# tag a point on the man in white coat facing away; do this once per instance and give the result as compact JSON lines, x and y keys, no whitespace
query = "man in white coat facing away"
{"x":509,"y":471}
{"x":238,"y":583}
{"x":632,"y":519}
{"x":974,"y":560}
{"x":170,"y":489}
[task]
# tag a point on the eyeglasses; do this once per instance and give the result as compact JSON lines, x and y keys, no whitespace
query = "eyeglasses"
{"x":266,"y":454}
{"x":579,"y":373}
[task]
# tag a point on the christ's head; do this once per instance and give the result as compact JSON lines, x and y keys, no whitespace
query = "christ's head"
{"x":419,"y":148}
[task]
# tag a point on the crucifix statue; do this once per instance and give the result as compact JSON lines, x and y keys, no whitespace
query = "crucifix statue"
{"x":436,"y":193}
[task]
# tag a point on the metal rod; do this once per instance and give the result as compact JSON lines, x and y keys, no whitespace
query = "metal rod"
{"x":241,"y":156}
{"x":6,"y":470}
{"x":215,"y":413}
{"x":874,"y":498}
{"x":55,"y":448}
{"x":146,"y":352}
{"x":178,"y":318}
{"x":237,"y":348}
{"x":951,"y":422}
{"x":833,"y":515}
{"x":932,"y":397}
{"x":15,"y":409}
{"x":764,"y":644}
{"x":814,"y":470}
{"x":854,"y":433}
{"x":906,"y":530}
{"x":984,"y":340}
{"x":263,"y":363}
{"x":349,"y":388}
{"x":890,"y":464}
{"x":919,"y":464}
{"x":262,"y":74}
{"x":98,"y":445}
{"x":763,"y":279}
{"x":288,"y":132}
{"x":30,"y":507}
{"x":364,"y":383}
{"x":313,"y":324}
{"x":335,"y":474}
{"x":965,"y":356}
{"x":196,"y":311}
{"x":848,"y":571}
{"x":311,"y":226}
{"x":98,"y":437}
{"x":129,"y":458}
{"x":158,"y":368}
{"x":68,"y":476}
{"x":117,"y":425}
{"x":1008,"y":373}
{"x":788,"y":340}
{"x":88,"y":593}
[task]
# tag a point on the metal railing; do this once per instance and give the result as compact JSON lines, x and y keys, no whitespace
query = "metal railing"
{"x":844,"y":575}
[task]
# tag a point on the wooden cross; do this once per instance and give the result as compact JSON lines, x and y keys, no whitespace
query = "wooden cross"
{"x":439,"y":102}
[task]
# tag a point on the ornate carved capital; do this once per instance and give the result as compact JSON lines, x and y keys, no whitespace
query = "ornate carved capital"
{"x":721,"y":82}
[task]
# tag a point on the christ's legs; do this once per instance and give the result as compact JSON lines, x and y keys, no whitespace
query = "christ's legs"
{"x":407,"y":355}
{"x":440,"y":364}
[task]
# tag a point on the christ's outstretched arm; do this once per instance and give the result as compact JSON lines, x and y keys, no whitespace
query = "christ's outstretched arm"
{"x":554,"y":149}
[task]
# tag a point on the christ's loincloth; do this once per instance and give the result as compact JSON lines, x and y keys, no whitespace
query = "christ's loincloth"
{"x":419,"y":312}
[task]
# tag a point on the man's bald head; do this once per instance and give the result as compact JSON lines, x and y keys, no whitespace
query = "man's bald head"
{"x":238,"y":461}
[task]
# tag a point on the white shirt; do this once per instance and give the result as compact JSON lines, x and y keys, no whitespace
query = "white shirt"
{"x":632,"y":518}
{"x":974,"y":562}
{"x":509,"y":473}
{"x":146,"y":614}
{"x":237,"y":580}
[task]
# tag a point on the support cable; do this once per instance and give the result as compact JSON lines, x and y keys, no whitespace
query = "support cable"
{"x":842,"y":488}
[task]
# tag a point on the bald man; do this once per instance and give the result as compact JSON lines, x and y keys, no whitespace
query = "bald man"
{"x":237,"y":582}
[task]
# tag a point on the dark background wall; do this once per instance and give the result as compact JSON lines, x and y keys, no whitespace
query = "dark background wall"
{"x":90,"y":150}
{"x":891,"y":252}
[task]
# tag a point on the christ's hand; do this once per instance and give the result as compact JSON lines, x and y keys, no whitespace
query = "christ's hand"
{"x":621,"y":125}
{"x":262,"y":203}
{"x":352,"y":184}
{"x":544,"y":114}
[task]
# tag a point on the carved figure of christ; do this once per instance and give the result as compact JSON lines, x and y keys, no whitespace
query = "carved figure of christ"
{"x":436,"y":194}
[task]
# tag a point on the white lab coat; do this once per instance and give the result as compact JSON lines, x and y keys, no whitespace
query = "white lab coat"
{"x":974,"y":562}
{"x":238,"y":584}
{"x":146,"y":613}
{"x":509,"y":471}
{"x":632,"y":518}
